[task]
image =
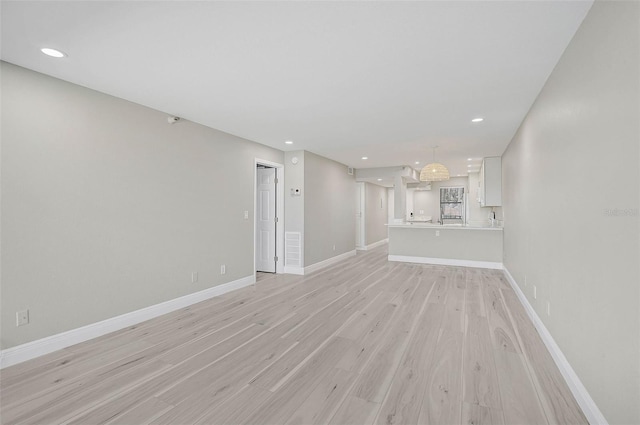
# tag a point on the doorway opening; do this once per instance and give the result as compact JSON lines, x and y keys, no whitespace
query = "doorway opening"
{"x":268,"y":226}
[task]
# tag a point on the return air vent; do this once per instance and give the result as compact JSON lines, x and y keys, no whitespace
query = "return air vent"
{"x":293,"y":249}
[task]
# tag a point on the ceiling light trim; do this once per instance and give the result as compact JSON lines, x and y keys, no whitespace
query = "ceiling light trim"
{"x":53,"y":53}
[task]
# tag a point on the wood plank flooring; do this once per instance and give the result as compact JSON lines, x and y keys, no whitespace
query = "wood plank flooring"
{"x":365,"y":341}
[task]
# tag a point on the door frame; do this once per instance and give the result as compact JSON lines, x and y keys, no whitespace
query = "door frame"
{"x":279,"y":211}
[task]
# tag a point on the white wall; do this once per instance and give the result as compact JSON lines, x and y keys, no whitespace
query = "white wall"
{"x":375,"y":213}
{"x":329,"y":210}
{"x":409,"y":205}
{"x":571,"y":186}
{"x":294,"y":204}
{"x":107,"y":209}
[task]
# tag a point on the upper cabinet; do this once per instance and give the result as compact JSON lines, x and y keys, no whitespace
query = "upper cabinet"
{"x":490,"y":191}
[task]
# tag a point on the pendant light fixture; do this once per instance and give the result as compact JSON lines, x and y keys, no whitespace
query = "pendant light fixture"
{"x":434,"y":172}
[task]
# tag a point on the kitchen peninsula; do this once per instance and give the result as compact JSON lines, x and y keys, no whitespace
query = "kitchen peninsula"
{"x":458,"y":245}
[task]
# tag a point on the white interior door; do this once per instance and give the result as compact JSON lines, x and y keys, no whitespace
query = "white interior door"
{"x":266,"y":220}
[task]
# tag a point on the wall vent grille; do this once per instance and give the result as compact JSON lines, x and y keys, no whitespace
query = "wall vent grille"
{"x":293,"y":249}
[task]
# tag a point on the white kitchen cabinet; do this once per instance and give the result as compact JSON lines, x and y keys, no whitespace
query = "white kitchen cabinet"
{"x":490,"y":190}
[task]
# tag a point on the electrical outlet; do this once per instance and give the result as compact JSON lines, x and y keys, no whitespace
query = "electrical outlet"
{"x":223,"y":269}
{"x":194,"y":277}
{"x":535,"y":292}
{"x":548,"y":308}
{"x":22,"y":317}
{"x":246,"y":215}
{"x":437,"y":232}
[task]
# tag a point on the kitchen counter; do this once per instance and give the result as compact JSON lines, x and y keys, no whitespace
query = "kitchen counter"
{"x":458,"y":245}
{"x":418,"y":225}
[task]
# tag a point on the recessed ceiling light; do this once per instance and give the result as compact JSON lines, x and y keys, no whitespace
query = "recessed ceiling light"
{"x":379,"y":180}
{"x":365,"y":157}
{"x":469,"y":159}
{"x":288,"y":142}
{"x":417,"y":162}
{"x":52,"y":52}
{"x":477,"y":120}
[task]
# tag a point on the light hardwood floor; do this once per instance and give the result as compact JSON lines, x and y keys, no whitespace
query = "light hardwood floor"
{"x":365,"y":341}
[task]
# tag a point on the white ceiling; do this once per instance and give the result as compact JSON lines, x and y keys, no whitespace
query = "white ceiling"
{"x":342,"y":79}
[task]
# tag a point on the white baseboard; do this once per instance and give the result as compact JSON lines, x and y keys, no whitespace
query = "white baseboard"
{"x":586,"y":403}
{"x":40,"y":347}
{"x":446,"y":262}
{"x":294,"y":270}
{"x":373,"y":245}
{"x":322,"y":264}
